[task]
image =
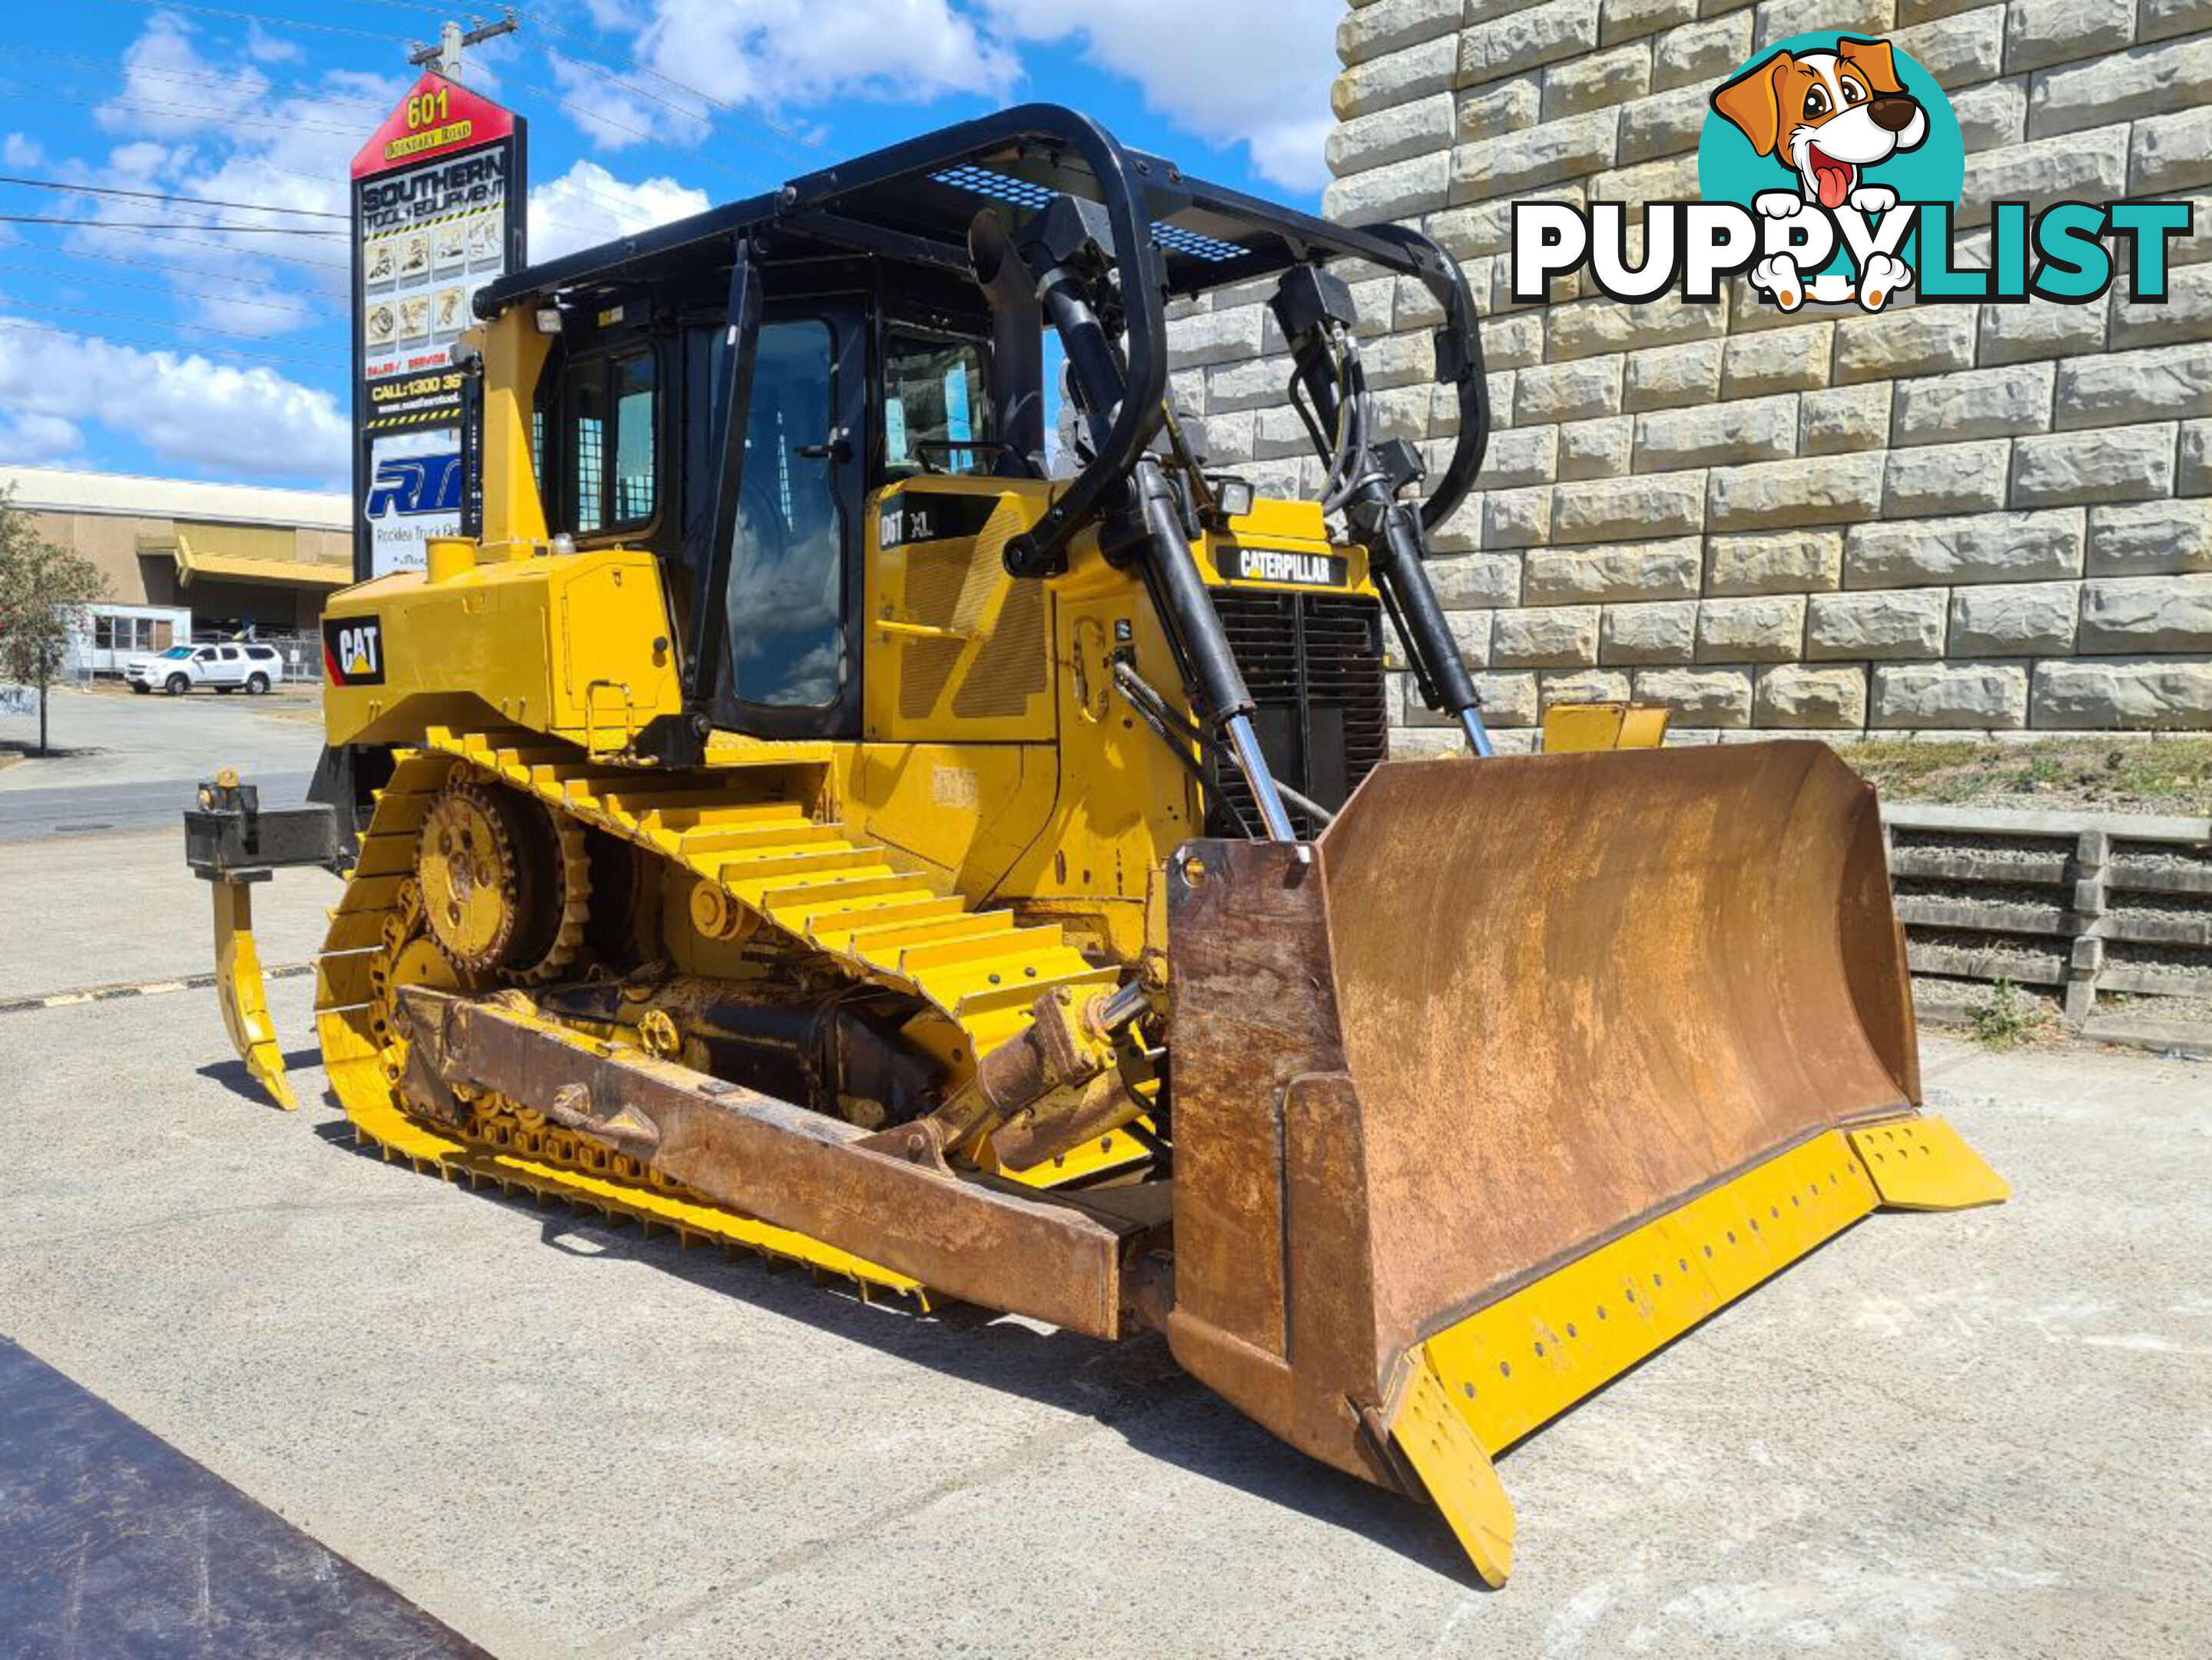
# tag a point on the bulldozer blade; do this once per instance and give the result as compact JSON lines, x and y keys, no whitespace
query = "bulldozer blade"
{"x":1526,"y":1066}
{"x":244,"y":994}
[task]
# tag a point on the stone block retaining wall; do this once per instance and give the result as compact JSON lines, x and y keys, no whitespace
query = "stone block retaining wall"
{"x":1952,"y":517}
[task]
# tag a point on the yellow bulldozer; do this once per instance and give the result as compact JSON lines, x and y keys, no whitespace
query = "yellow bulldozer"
{"x":806,"y":810}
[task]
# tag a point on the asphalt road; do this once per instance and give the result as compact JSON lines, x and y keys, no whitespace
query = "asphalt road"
{"x":111,"y":1535}
{"x":124,"y":764}
{"x":1967,"y":1435}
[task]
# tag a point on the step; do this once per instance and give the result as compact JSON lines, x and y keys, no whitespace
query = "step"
{"x":801,"y":862}
{"x":696,"y":844}
{"x":971,"y":1004}
{"x":791,"y":904}
{"x":890,"y":934}
{"x":960,"y":931}
{"x":1014,"y":948}
{"x":656,"y":807}
{"x":524,"y":762}
{"x":793,"y":895}
{"x":588,"y":786}
{"x":480,"y":742}
{"x":760,"y":858}
{"x":850,"y":919}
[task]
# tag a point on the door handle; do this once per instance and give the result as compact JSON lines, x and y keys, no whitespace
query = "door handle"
{"x":838,"y":447}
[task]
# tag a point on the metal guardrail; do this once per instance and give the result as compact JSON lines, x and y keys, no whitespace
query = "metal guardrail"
{"x":2075,"y":903}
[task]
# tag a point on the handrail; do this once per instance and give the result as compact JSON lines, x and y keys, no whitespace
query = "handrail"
{"x":1459,"y":364}
{"x":1144,"y":343}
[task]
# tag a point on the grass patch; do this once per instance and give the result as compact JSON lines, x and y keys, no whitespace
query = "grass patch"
{"x":2172,"y":774}
{"x":2007,"y":1018}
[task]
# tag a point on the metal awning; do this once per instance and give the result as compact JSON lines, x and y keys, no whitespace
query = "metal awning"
{"x":239,"y":557}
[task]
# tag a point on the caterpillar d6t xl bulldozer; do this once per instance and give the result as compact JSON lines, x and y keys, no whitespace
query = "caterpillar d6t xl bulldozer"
{"x":790,"y":816}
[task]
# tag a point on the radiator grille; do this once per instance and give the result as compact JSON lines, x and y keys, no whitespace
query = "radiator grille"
{"x":1313,"y":663}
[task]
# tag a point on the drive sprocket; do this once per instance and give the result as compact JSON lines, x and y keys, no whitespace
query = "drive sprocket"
{"x":505,"y":882}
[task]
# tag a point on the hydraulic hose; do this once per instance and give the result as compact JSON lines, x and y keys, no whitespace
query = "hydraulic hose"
{"x":1216,"y":683}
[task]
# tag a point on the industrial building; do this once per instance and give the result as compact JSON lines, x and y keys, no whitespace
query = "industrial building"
{"x":189,"y":559}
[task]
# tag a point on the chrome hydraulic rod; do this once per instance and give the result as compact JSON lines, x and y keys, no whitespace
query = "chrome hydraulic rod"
{"x":1274,"y":817}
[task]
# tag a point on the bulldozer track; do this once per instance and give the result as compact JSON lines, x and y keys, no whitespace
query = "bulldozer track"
{"x":832,"y":893}
{"x":823,"y":884}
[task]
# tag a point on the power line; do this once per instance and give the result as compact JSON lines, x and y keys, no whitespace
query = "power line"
{"x":614,"y":205}
{"x":171,"y":267}
{"x":143,"y":346}
{"x":127,"y":321}
{"x":203,"y":78}
{"x":160,"y":224}
{"x":214,"y":117}
{"x":258,"y":17}
{"x":665,"y":79}
{"x":161,"y":196}
{"x":592,"y":115}
{"x":259,"y":253}
{"x":618,"y":209}
{"x":295,"y":307}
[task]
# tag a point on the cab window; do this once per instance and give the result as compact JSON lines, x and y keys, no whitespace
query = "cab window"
{"x":608,"y":433}
{"x":937,"y":405}
{"x":786,"y":587}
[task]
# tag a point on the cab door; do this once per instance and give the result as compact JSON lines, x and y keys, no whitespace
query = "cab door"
{"x":229,"y":667}
{"x":791,"y":664}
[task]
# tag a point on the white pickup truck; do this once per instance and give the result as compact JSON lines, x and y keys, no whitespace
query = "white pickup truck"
{"x":225,"y":667}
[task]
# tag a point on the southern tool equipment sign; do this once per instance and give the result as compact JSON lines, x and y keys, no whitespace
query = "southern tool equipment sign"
{"x":438,"y":199}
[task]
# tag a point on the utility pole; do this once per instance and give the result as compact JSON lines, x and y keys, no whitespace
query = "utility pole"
{"x":445,"y":56}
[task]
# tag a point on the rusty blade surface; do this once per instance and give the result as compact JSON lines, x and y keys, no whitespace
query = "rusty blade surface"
{"x":1509,"y":1010}
{"x":1577,"y":988}
{"x":783,"y":1164}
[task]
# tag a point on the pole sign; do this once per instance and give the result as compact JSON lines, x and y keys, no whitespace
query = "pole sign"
{"x":439,"y":194}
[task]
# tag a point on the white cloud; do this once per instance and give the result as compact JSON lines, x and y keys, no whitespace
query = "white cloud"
{"x":1250,"y":71}
{"x":185,"y":408}
{"x":137,"y":164}
{"x":616,"y":111}
{"x":165,"y":85}
{"x":773,"y":53}
{"x":19,"y":150}
{"x":263,"y":284}
{"x":615,"y":14}
{"x":587,"y":205}
{"x":267,"y":48}
{"x":31,"y":440}
{"x":363,"y":86}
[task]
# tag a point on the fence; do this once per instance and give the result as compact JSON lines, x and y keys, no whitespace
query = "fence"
{"x":302,"y":653}
{"x":2076,"y":904}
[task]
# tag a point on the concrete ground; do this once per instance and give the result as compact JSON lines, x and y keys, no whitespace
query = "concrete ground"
{"x":124,"y":762}
{"x":1978,"y":1434}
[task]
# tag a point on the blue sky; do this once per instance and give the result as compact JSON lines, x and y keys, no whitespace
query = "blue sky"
{"x":170,"y":341}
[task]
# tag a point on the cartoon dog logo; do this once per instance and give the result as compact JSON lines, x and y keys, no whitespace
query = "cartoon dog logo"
{"x":1827,"y":117}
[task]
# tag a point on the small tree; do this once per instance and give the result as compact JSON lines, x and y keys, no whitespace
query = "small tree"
{"x":44,"y":590}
